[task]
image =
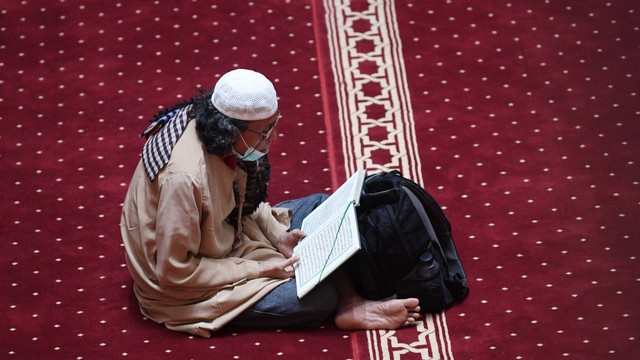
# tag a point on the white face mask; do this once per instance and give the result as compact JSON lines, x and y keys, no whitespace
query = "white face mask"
{"x":252,"y":154}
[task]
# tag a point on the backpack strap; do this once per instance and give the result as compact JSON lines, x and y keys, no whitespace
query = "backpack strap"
{"x":456,"y":279}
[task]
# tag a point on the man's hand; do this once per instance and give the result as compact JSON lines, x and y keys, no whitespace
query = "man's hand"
{"x":278,"y":269}
{"x":289,"y":240}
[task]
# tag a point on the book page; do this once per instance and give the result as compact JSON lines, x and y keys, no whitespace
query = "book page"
{"x":348,"y":192}
{"x":324,"y":250}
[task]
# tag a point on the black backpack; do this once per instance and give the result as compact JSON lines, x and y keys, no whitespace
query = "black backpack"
{"x":399,"y":221}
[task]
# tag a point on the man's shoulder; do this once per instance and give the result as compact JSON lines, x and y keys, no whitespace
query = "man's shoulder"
{"x":188,"y":153}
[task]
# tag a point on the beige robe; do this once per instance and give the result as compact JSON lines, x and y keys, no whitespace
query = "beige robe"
{"x":178,"y":244}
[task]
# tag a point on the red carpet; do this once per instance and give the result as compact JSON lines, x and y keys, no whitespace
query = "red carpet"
{"x":521,"y":118}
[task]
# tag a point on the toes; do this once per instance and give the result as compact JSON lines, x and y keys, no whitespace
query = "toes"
{"x":411,"y":303}
{"x":410,"y":321}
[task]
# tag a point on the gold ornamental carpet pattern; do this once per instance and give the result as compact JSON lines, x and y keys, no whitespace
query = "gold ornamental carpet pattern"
{"x":374,"y":107}
{"x":377,"y":129}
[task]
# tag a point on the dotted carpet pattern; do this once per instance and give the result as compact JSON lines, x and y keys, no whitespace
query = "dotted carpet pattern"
{"x":527,"y":118}
{"x":78,"y":83}
{"x":531,"y":128}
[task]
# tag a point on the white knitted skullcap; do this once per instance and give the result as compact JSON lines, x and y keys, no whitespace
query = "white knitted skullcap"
{"x":245,"y":95}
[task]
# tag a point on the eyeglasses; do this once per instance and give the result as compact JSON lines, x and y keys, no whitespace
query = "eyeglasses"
{"x":265,"y":134}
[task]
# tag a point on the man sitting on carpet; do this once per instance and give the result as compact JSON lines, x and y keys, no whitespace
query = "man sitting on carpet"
{"x":202,"y":246}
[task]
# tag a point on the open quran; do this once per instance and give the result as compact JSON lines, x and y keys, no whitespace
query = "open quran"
{"x":332,"y":235}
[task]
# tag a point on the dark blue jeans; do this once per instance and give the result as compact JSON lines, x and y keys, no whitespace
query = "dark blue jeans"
{"x":281,"y":307}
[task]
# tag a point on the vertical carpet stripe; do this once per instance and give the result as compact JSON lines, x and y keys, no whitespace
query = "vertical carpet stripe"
{"x":375,"y":142}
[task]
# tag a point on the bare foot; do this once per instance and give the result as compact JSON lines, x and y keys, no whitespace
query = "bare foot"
{"x":361,"y":314}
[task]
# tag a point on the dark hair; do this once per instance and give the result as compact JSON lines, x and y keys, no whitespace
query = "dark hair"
{"x":216,"y":131}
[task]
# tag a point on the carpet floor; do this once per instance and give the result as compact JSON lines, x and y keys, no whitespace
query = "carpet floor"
{"x":521,"y":118}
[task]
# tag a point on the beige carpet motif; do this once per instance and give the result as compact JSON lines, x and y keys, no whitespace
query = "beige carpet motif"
{"x":377,"y":129}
